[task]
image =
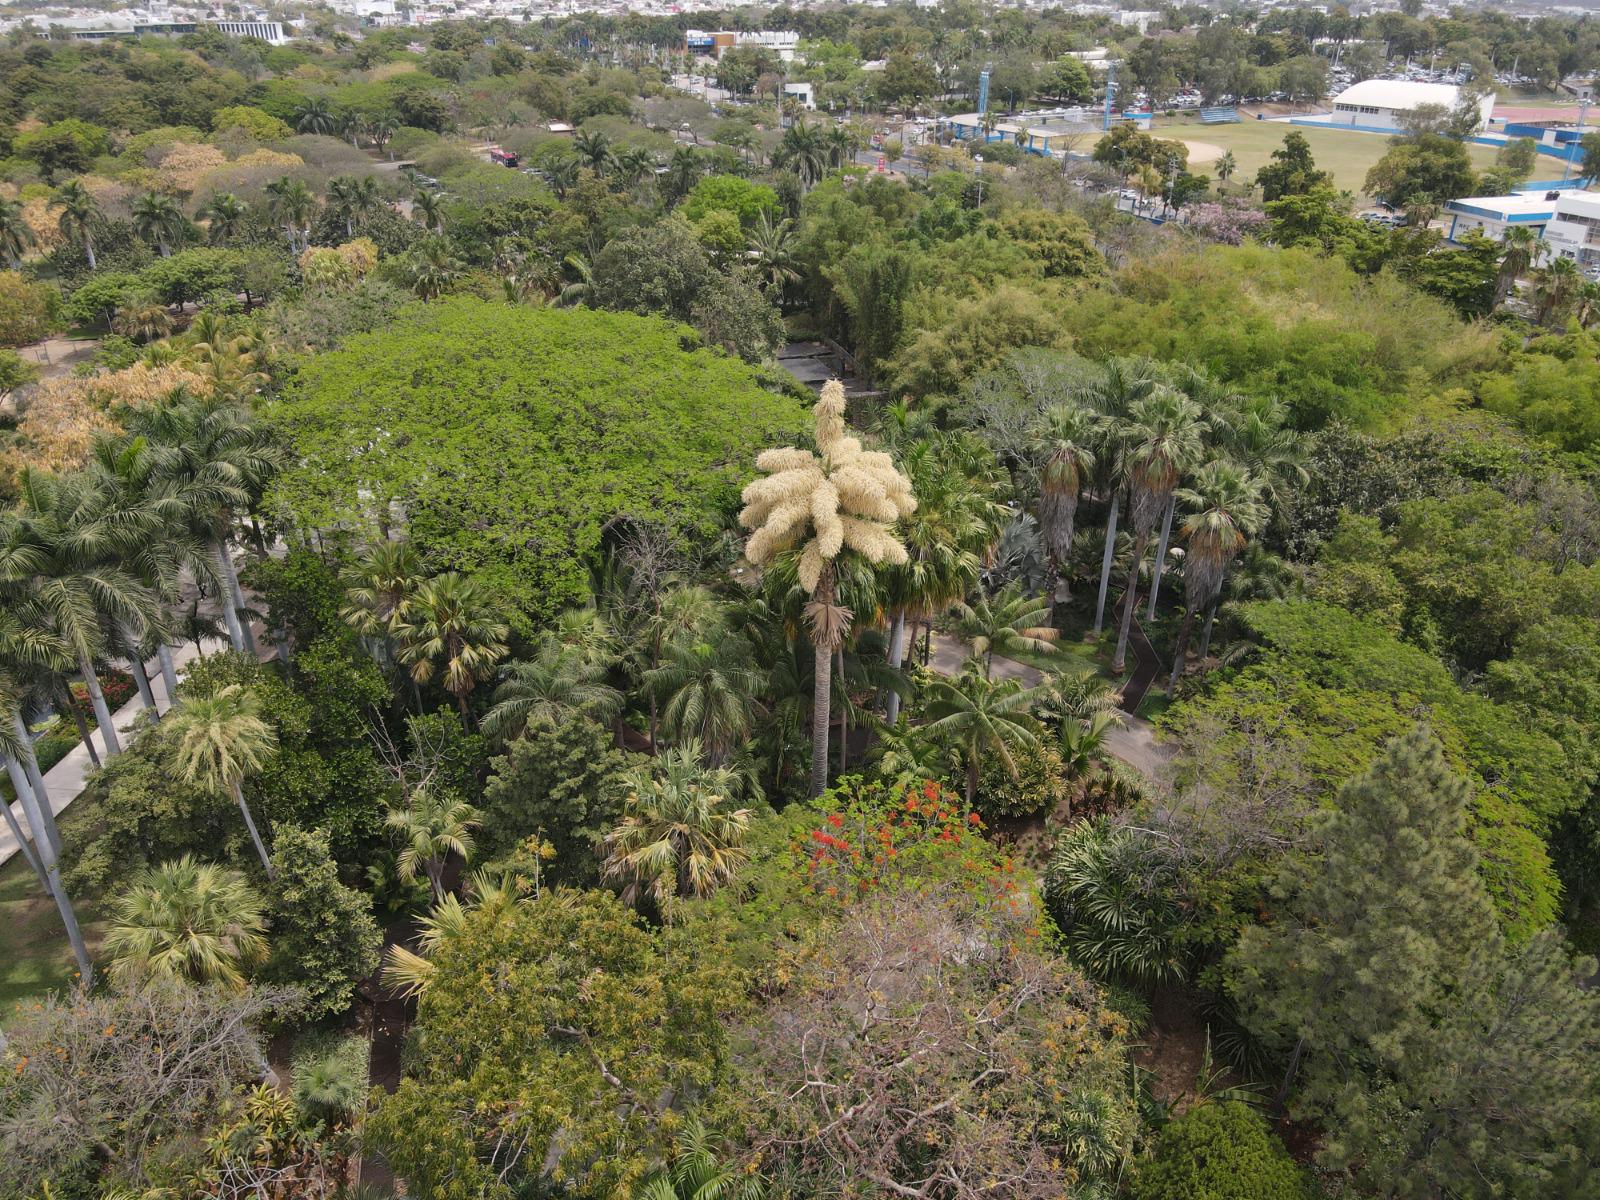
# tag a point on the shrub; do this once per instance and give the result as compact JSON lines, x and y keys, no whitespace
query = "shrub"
{"x":1041,"y":784}
{"x":324,"y":939}
{"x":329,"y":1080}
{"x":1219,"y":1152}
{"x":27,"y":309}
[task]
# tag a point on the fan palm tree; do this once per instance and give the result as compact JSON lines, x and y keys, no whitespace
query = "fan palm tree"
{"x":1008,"y":623}
{"x":434,"y":824}
{"x":62,"y":551}
{"x":696,"y":1173}
{"x":559,"y":682}
{"x":1226,"y":166}
{"x":1071,"y":433}
{"x":314,"y":115}
{"x":773,"y":247}
{"x":379,"y":586}
{"x":156,"y":219}
{"x":450,"y":629}
{"x":16,"y":235}
{"x":432,"y":268}
{"x":219,"y":740}
{"x":707,"y":685}
{"x":224,"y":214}
{"x":428,"y":209}
{"x":1520,"y":249}
{"x":593,"y":150}
{"x":187,"y":920}
{"x":78,"y":213}
{"x":679,"y":837}
{"x":1554,"y":286}
{"x":1225,"y":508}
{"x":142,"y":319}
{"x":982,"y":716}
{"x":1163,"y":441}
{"x":840,"y":498}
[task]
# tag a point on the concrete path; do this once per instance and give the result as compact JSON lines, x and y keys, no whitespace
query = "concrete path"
{"x":58,"y":355}
{"x":66,"y":780}
{"x":1134,"y":742}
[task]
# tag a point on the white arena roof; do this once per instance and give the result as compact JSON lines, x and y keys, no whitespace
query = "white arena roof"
{"x":1401,"y":94}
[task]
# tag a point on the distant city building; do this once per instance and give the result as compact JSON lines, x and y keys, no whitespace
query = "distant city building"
{"x":715,"y":44}
{"x":803,"y":92}
{"x":267,"y":31}
{"x":1379,"y":104}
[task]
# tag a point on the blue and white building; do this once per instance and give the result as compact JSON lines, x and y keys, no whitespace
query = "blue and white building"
{"x":1493,"y":215}
{"x":1377,"y":105}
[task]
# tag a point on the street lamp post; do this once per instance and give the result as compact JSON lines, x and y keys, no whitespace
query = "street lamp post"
{"x":978,"y":158}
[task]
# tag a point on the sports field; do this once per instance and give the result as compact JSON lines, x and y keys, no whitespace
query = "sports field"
{"x":1347,"y":154}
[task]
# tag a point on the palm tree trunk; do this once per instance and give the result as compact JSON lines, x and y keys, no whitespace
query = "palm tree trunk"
{"x":83,"y":727}
{"x":236,"y":595}
{"x":166,"y":250}
{"x":36,"y":808}
{"x":972,"y":778}
{"x":897,"y":655}
{"x":1129,"y":601}
{"x":169,"y":673}
{"x":1161,"y":557}
{"x":88,"y":250}
{"x":102,"y":714}
{"x":250,"y":824}
{"x":30,"y":767}
{"x":821,"y":692}
{"x":19,"y":784}
{"x":844,"y":717}
{"x":230,"y":616}
{"x":1180,"y":647}
{"x":1105,"y":563}
{"x":1205,"y":638}
{"x":147,"y":697}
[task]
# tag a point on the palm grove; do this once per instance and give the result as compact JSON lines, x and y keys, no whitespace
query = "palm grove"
{"x":709,"y":782}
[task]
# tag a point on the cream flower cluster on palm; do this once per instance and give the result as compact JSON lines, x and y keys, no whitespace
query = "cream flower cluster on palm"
{"x":844,"y":496}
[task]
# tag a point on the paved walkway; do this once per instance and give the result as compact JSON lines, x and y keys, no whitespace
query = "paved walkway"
{"x":1134,"y":742}
{"x":65,"y":781}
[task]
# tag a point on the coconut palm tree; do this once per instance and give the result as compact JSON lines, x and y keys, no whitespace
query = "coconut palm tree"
{"x":1554,"y":286}
{"x":432,"y":268}
{"x":840,"y":498}
{"x":773,"y":247}
{"x":1009,"y":623}
{"x":1520,"y":249}
{"x":581,"y":289}
{"x":1226,"y":166}
{"x":558,"y":682}
{"x":16,"y":235}
{"x":707,"y":685}
{"x":187,"y":920}
{"x":1072,"y":434}
{"x":680,"y":835}
{"x":427,"y":208}
{"x":156,"y":219}
{"x":841,"y":144}
{"x":224,"y":214}
{"x":79,"y":210}
{"x":683,"y":171}
{"x":434,"y":824}
{"x":804,"y":149}
{"x":632,"y":164}
{"x":353,"y":199}
{"x":219,"y":740}
{"x":1225,"y":508}
{"x":982,"y":716}
{"x":314,"y":115}
{"x":294,"y":205}
{"x":594,"y":151}
{"x":1112,"y":392}
{"x":450,"y":629}
{"x":62,"y":551}
{"x":1163,"y":441}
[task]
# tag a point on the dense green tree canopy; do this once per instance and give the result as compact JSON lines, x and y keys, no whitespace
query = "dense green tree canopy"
{"x":507,"y":438}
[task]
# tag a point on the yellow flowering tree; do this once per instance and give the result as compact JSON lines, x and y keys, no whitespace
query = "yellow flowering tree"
{"x":841,"y":498}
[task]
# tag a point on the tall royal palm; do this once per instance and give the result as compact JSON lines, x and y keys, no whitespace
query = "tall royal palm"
{"x":680,"y":835}
{"x":982,"y":717}
{"x":16,"y":235}
{"x":79,"y":211}
{"x":1072,"y":434}
{"x":62,"y":549}
{"x":841,"y":498}
{"x":1224,"y":503}
{"x":1163,"y":441}
{"x":156,"y":218}
{"x":708,"y":685}
{"x":221,"y":739}
{"x":450,"y":629}
{"x":1112,"y":393}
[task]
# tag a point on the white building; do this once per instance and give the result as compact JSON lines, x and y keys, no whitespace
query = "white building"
{"x":1493,"y":215}
{"x":715,"y":43}
{"x":803,"y":92}
{"x":267,"y":31}
{"x":1378,"y":104}
{"x":1574,"y":230}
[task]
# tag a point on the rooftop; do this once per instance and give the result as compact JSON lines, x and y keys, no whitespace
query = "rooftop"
{"x":1398,"y":93}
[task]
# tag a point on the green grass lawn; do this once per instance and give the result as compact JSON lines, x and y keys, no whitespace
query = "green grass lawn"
{"x":34,"y":955}
{"x":1347,"y":154}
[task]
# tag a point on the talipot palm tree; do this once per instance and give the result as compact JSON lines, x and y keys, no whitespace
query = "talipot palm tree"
{"x":840,"y":498}
{"x":315,"y":115}
{"x":156,"y":219}
{"x":1009,"y":623}
{"x":707,"y":685}
{"x":1520,"y":249}
{"x":219,"y":740}
{"x":63,"y":549}
{"x":558,"y":682}
{"x":1072,"y":433}
{"x":1225,"y":508}
{"x":680,"y":836}
{"x":78,"y":213}
{"x":982,"y":716}
{"x":224,"y":214}
{"x":450,"y":629}
{"x":1163,"y":441}
{"x":16,"y":235}
{"x":434,"y":824}
{"x":187,"y":920}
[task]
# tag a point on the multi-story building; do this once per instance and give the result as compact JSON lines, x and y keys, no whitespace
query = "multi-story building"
{"x":1574,"y":229}
{"x":783,"y":43}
